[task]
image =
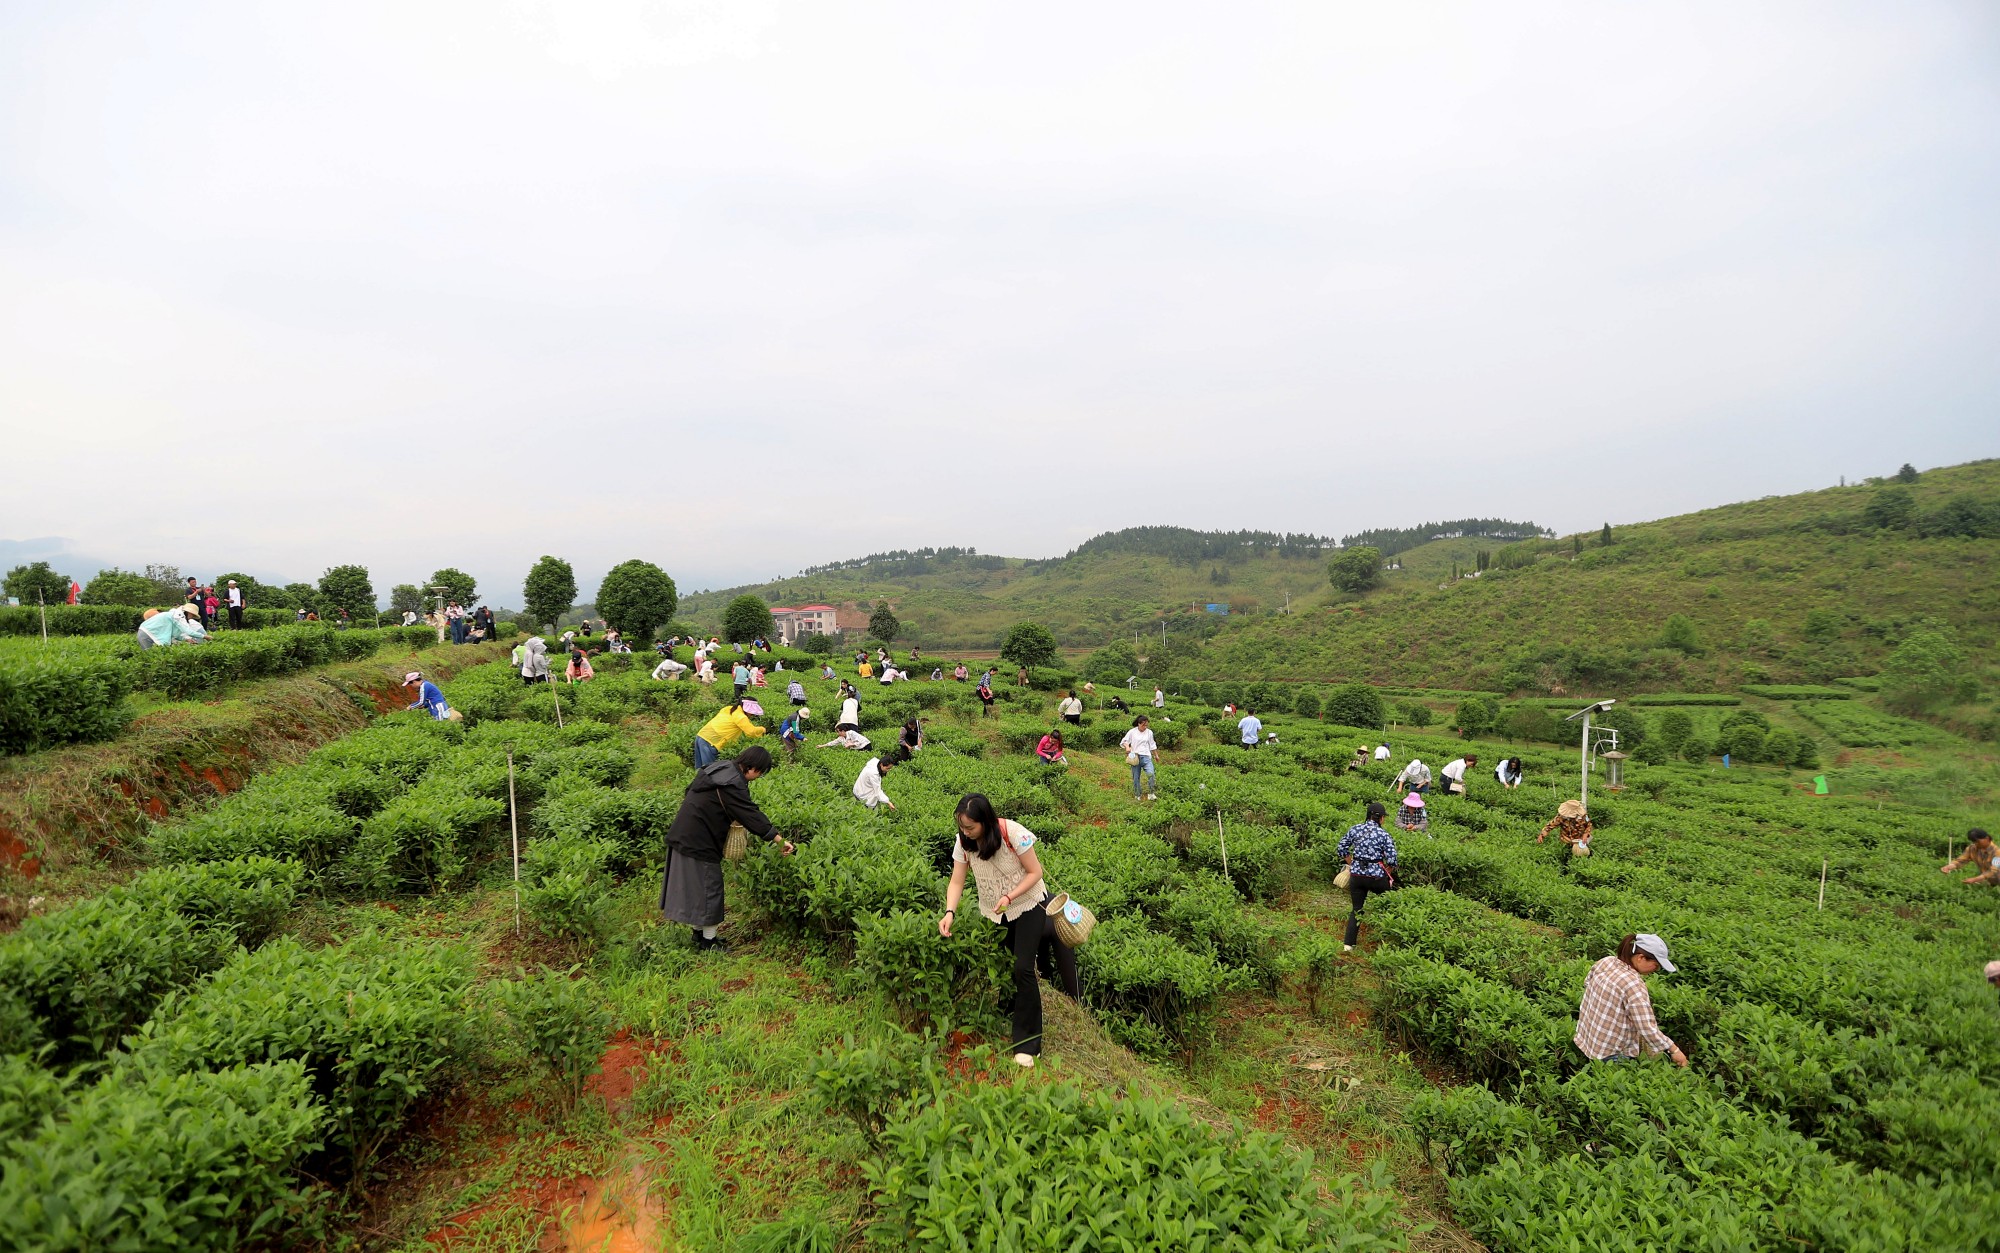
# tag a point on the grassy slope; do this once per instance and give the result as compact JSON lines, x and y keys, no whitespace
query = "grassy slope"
{"x":1085,"y":601}
{"x":1722,"y":567}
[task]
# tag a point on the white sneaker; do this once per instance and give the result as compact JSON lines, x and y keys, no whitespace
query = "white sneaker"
{"x":1347,"y":948}
{"x":1025,"y":1061}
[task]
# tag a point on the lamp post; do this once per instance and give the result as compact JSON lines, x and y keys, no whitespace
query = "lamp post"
{"x":1583,"y":751}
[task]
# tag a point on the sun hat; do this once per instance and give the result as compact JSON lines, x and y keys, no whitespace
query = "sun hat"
{"x":412,"y":677}
{"x":1570,"y":809}
{"x":1414,"y":801}
{"x":752,"y":708}
{"x":1992,"y":971}
{"x":1654,"y":947}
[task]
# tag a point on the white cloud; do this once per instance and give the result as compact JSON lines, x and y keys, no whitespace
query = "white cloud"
{"x":462,"y":284}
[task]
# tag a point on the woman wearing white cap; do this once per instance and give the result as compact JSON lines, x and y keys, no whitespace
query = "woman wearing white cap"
{"x":1615,"y":1021}
{"x":428,"y":696}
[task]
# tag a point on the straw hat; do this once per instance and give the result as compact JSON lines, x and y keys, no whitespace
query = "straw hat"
{"x":1570,"y":809}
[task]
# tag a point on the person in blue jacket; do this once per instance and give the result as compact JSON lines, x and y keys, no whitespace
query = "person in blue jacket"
{"x":428,"y":696}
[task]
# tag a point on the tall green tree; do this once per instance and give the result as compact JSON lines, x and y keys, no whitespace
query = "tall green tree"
{"x":1355,"y":569}
{"x":1355,"y":705}
{"x":1679,"y":633}
{"x":1908,"y":474}
{"x":347,"y":587}
{"x":746,"y":618}
{"x":1476,"y":716}
{"x":38,"y":584}
{"x":1890,"y":508}
{"x":406,"y":598}
{"x":1928,"y":669}
{"x":637,"y":596}
{"x":122,"y":587}
{"x":1029,"y":644}
{"x":549,"y":590}
{"x":1604,"y":536}
{"x":883,"y":625}
{"x":256,"y":594}
{"x":1113,"y":663}
{"x":458,"y":585}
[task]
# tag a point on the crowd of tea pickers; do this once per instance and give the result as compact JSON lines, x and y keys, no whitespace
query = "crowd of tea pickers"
{"x":74,"y":688}
{"x":1836,"y":1098}
{"x":265,"y":1073}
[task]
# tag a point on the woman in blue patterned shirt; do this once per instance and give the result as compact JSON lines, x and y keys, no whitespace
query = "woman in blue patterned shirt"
{"x":1370,"y":856}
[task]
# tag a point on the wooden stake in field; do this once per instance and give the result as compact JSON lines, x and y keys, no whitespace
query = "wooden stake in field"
{"x":556,"y":697}
{"x":45,"y":614}
{"x":1223,"y":842}
{"x":1822,"y":884}
{"x":514,"y":820}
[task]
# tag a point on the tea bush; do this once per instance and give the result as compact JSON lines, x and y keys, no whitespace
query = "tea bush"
{"x":375,"y":1025}
{"x":1058,"y":1168}
{"x":91,"y":972}
{"x":566,"y":884}
{"x":561,"y":1021}
{"x":202,"y":1160}
{"x":46,"y":702}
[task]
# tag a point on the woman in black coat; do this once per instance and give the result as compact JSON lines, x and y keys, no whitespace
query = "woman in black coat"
{"x":691,"y":887}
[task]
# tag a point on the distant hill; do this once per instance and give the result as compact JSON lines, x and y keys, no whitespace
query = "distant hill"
{"x":1802,"y":588}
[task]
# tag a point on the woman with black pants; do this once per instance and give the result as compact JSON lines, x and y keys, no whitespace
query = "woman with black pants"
{"x":1370,"y":855}
{"x":1008,"y":874}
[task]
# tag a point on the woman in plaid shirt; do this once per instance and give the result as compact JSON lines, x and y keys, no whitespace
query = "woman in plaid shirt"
{"x":1615,"y":1021}
{"x":1370,"y":856}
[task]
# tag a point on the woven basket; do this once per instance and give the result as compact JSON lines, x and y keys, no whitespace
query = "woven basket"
{"x":1071,"y":930}
{"x":1342,"y":879}
{"x":737,"y":846}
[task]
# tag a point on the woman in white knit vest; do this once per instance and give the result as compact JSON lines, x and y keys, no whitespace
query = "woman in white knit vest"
{"x":1008,"y":874}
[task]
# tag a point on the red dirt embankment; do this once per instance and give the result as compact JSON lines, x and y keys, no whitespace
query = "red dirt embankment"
{"x":73,"y":804}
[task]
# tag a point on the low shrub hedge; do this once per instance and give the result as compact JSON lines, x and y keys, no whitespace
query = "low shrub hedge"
{"x":375,"y":1024}
{"x":201,"y":1160}
{"x":88,"y":974}
{"x":1019,"y":1167}
{"x":50,"y":701}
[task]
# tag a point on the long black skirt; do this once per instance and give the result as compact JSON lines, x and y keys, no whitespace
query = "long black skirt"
{"x":691,"y":891}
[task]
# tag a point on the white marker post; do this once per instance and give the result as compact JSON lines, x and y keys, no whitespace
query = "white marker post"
{"x":1822,"y":884}
{"x":1223,"y":842}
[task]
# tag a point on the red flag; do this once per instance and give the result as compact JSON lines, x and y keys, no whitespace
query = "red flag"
{"x":74,"y":591}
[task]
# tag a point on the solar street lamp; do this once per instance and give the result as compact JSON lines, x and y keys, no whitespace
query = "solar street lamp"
{"x":1583,"y":752}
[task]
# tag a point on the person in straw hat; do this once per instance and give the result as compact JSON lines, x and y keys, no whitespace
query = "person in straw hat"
{"x":1573,"y":825}
{"x":1000,"y":855}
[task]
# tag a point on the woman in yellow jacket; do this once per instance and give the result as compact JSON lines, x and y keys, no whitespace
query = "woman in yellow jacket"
{"x":724,"y":729}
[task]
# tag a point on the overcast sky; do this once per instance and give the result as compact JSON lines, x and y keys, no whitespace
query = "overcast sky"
{"x":741,"y":287}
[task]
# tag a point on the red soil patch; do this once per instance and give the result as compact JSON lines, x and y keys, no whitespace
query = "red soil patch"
{"x":622,"y":1067}
{"x":14,"y":854}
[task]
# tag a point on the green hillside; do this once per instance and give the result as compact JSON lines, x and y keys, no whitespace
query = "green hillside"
{"x":1787,"y":589}
{"x":969,"y":602}
{"x":1792,"y":589}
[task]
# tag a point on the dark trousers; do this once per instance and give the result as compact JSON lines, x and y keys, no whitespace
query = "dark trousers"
{"x":236,"y":617}
{"x":1073,"y":719}
{"x":1034,"y":943}
{"x":458,"y":630}
{"x":1358,"y":888}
